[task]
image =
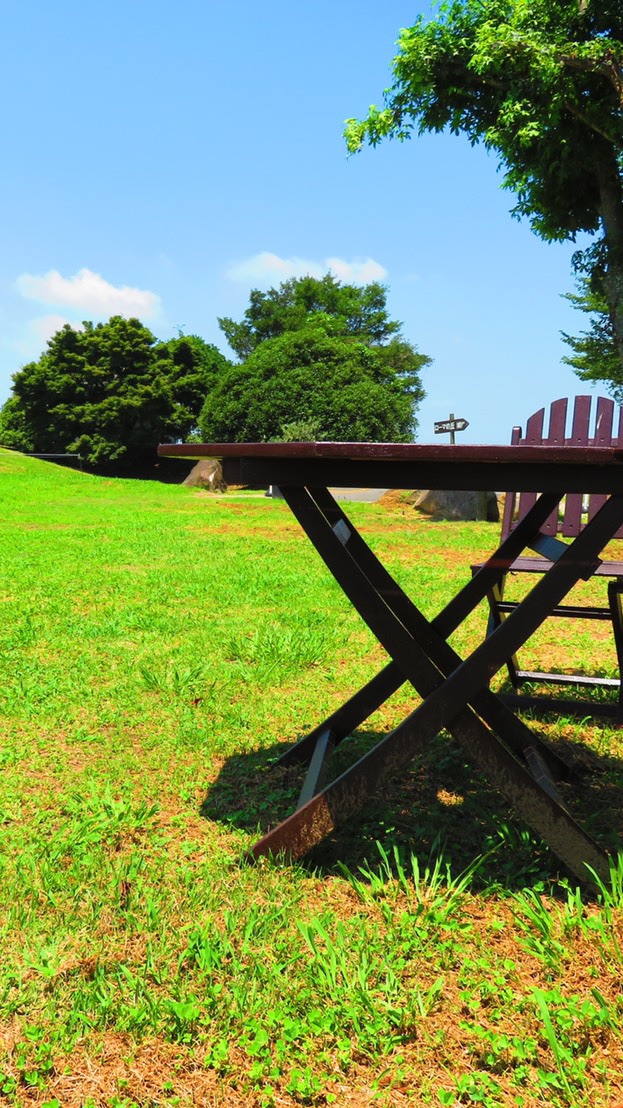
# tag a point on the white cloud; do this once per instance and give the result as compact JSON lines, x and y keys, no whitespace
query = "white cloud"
{"x":47,"y":325}
{"x":89,"y":292}
{"x":266,"y":267}
{"x":359,"y":272}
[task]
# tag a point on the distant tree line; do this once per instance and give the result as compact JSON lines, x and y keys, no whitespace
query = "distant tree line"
{"x":109,"y":393}
{"x":316,"y":359}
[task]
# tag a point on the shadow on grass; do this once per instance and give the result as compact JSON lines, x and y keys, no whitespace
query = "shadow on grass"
{"x":441,"y":804}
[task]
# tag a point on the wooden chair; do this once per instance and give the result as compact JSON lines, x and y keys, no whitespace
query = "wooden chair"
{"x":567,"y":521}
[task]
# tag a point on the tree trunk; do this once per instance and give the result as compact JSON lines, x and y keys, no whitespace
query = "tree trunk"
{"x":611,"y":211}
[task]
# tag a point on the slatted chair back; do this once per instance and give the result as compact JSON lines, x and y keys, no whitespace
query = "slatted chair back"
{"x":606,"y":429}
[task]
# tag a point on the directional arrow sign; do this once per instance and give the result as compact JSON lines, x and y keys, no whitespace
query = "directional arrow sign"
{"x":449,"y":425}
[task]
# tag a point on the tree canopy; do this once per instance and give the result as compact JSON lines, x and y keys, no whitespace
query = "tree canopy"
{"x":353,"y":310}
{"x":594,"y":353}
{"x":110,"y":392}
{"x":317,"y":354}
{"x":344,"y":389}
{"x":540,"y":82}
{"x":321,"y":358}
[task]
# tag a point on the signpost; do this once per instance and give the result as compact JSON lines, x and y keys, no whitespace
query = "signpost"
{"x":449,"y":426}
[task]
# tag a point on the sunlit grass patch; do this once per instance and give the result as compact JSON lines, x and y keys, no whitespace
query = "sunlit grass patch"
{"x":158,"y":650}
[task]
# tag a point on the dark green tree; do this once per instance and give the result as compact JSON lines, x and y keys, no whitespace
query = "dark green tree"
{"x":110,"y":392}
{"x":357,"y":311}
{"x":194,"y":367}
{"x":594,"y":352}
{"x":541,"y":84}
{"x":345,"y":389}
{"x":319,"y":354}
{"x":15,"y":431}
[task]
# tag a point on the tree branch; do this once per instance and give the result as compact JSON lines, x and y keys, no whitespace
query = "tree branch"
{"x":574,"y":110}
{"x":608,"y":67}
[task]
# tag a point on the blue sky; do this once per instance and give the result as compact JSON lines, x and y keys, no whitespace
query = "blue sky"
{"x":162,"y":160}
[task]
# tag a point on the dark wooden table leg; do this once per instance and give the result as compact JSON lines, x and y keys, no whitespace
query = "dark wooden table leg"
{"x":349,"y":716}
{"x":346,"y":796}
{"x":441,"y":707}
{"x":551,"y":589}
{"x":432,"y":635}
{"x":360,"y":706}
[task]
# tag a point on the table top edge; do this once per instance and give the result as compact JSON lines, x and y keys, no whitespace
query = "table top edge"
{"x":398,"y":452}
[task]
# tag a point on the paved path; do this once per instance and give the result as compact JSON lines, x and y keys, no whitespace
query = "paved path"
{"x":364,"y":496}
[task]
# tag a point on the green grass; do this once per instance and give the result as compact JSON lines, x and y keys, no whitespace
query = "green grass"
{"x":158,"y":649}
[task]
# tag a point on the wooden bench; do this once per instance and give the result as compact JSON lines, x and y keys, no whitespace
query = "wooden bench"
{"x":606,"y":429}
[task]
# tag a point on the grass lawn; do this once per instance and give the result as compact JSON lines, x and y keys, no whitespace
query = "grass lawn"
{"x":158,"y":648}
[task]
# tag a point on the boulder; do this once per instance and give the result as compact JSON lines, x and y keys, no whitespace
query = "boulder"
{"x":450,"y":504}
{"x":206,"y":474}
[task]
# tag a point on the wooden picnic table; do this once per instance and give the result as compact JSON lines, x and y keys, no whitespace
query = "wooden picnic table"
{"x":455,"y":692}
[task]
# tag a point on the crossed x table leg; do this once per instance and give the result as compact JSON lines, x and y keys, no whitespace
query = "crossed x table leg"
{"x":455,"y":692}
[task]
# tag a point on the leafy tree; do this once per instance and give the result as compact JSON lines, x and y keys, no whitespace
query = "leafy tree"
{"x":541,"y":83}
{"x":595,"y":356}
{"x":110,"y":392}
{"x":319,"y":354}
{"x":299,"y":430}
{"x":343,"y":388}
{"x":15,"y":431}
{"x":196,"y":366}
{"x":358,"y":311}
